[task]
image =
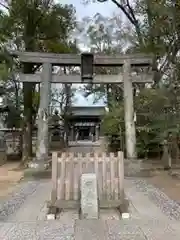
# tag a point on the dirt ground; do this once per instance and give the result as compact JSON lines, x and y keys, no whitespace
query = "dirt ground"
{"x":169,"y":185}
{"x":10,"y":175}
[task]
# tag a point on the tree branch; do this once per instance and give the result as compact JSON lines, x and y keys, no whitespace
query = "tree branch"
{"x":4,"y":6}
{"x":131,"y":17}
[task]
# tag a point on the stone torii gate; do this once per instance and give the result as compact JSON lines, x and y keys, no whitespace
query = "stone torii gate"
{"x":85,"y":61}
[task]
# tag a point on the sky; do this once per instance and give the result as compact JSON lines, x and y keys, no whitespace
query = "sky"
{"x":91,"y":9}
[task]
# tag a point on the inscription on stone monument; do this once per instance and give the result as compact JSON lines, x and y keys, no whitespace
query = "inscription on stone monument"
{"x":89,"y":196}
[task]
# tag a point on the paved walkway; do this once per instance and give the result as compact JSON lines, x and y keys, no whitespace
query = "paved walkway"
{"x":153,"y":217}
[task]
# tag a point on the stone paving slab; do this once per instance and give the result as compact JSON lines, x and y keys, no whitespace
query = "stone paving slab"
{"x":68,"y":215}
{"x":109,"y":214}
{"x":107,"y":230}
{"x":90,"y":229}
{"x":160,"y":233}
{"x":122,"y":230}
{"x":123,"y":227}
{"x":126,"y":237}
{"x":149,"y":229}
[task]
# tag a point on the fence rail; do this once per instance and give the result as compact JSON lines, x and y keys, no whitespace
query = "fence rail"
{"x":68,"y":168}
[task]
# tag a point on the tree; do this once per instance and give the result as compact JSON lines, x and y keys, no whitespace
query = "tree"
{"x":156,"y":30}
{"x":28,"y":26}
{"x":103,"y":35}
{"x":13,"y":91}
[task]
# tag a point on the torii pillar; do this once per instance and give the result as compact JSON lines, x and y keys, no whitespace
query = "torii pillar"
{"x":41,"y":160}
{"x":130,"y":131}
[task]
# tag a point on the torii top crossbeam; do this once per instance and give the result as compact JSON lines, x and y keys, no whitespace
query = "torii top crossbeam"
{"x":75,"y":59}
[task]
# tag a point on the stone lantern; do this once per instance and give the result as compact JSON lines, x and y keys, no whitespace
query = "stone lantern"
{"x":57,"y":132}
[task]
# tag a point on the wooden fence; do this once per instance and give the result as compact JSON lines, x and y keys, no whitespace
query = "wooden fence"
{"x":68,"y":168}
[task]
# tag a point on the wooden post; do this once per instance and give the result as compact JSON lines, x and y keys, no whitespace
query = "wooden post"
{"x":54,"y":177}
{"x":43,"y":113}
{"x":130,"y":131}
{"x":121,"y":174}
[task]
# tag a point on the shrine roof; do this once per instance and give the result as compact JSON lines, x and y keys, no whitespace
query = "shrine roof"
{"x":88,"y":110}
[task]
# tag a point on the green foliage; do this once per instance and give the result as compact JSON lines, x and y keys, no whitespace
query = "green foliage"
{"x":157,"y":117}
{"x":33,"y":25}
{"x":27,"y":25}
{"x":113,"y":121}
{"x":3,"y":71}
{"x":152,"y":27}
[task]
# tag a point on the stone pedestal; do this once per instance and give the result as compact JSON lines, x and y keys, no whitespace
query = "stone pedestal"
{"x":89,"y":196}
{"x":132,"y":168}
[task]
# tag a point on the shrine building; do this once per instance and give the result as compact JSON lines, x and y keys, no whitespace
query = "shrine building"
{"x":85,"y":122}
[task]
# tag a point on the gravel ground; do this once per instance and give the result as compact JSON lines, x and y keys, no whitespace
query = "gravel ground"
{"x":16,"y":199}
{"x":41,"y":230}
{"x":168,"y":206}
{"x":154,"y":216}
{"x":35,"y":207}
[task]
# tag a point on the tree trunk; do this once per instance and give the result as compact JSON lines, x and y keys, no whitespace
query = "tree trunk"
{"x":28,"y":89}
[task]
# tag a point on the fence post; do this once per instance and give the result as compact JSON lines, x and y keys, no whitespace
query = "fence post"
{"x":54,"y":177}
{"x":121,"y":174}
{"x":112,"y":175}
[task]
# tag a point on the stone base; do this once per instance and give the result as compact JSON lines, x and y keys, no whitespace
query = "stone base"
{"x":38,"y":169}
{"x":132,"y":168}
{"x":39,"y":165}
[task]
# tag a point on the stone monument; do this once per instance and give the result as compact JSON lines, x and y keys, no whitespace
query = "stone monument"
{"x":89,"y":196}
